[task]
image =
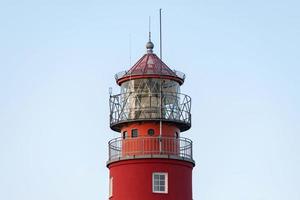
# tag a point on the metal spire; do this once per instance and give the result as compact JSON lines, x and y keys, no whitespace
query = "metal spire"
{"x":149,"y":44}
{"x":149,"y":28}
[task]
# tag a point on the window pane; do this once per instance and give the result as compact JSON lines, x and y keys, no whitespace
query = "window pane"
{"x":162,"y":177}
{"x":134,"y":133}
{"x":151,"y":132}
{"x":162,"y":188}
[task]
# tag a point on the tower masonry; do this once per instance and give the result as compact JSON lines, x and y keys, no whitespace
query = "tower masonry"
{"x":150,"y":160}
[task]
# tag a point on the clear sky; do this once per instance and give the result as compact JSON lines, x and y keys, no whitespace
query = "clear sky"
{"x":58,"y":59}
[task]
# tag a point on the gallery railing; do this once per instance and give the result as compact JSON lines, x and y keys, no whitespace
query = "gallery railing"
{"x":134,"y":106}
{"x":154,"y":147}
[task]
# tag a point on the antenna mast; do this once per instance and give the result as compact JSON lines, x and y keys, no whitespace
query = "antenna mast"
{"x":161,"y":106}
{"x":160,"y":34}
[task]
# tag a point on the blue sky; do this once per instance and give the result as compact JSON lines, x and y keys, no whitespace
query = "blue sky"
{"x":58,"y":59}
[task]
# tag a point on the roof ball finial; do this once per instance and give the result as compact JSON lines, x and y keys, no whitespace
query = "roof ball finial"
{"x":149,"y":47}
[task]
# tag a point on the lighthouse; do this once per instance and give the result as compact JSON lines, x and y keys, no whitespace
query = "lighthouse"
{"x":150,"y":160}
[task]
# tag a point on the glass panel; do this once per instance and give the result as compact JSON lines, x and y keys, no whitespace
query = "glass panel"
{"x":134,"y":133}
{"x":150,"y":85}
{"x":170,"y":86}
{"x":162,"y":188}
{"x":162,"y":177}
{"x":151,"y":132}
{"x":141,"y":99}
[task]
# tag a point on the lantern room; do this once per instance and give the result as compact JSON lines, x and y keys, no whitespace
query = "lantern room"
{"x":150,"y":90}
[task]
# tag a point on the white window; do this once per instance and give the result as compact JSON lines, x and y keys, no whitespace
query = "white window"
{"x":160,"y":182}
{"x":111,"y":186}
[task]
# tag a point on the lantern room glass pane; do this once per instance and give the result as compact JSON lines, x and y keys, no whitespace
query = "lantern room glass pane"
{"x":150,"y":85}
{"x":141,"y":99}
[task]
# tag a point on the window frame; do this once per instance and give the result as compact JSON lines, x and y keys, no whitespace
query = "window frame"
{"x":151,"y":132}
{"x":125,"y":135}
{"x":165,"y":180}
{"x":111,"y":180}
{"x":137,"y":133}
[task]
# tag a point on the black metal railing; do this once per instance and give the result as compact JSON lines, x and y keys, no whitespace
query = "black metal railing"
{"x":145,"y":147}
{"x":134,"y":106}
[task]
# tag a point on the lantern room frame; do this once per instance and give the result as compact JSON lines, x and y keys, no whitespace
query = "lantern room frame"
{"x":176,"y":108}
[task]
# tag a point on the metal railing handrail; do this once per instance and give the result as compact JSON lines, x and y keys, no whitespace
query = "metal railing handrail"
{"x":153,"y":93}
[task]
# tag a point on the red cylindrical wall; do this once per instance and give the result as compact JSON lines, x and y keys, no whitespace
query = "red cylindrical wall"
{"x":132,"y":179}
{"x":145,"y":144}
{"x":168,"y":129}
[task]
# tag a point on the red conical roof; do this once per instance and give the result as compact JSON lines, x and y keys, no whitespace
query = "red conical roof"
{"x":150,"y":66}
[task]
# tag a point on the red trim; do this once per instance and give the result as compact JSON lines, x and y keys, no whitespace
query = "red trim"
{"x":132,"y":77}
{"x":152,"y":160}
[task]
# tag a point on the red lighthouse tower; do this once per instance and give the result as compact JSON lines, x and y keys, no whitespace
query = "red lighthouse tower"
{"x":150,"y":161}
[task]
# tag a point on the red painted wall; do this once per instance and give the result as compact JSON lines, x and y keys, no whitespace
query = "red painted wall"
{"x":132,"y":179}
{"x":168,"y":130}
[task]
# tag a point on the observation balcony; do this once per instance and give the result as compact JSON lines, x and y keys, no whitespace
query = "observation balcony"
{"x":150,"y":147}
{"x":134,"y":106}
